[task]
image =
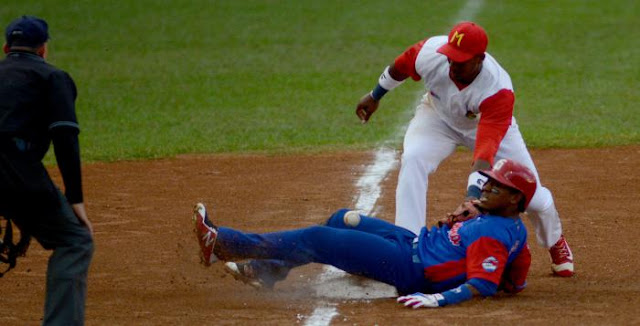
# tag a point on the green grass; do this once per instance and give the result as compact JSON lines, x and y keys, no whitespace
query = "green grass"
{"x":575,"y":68}
{"x":160,"y":78}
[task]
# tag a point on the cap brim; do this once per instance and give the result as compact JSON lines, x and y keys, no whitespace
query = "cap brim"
{"x":502,"y":180}
{"x":454,"y":54}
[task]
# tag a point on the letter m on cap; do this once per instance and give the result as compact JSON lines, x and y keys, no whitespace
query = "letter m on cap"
{"x":456,"y":36}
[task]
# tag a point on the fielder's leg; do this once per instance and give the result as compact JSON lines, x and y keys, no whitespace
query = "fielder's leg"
{"x":427,"y":142}
{"x":542,"y":211}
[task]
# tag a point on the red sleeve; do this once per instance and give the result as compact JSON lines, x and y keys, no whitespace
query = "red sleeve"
{"x":495,"y":119}
{"x":406,"y":62}
{"x":486,"y":259}
{"x":514,"y":279}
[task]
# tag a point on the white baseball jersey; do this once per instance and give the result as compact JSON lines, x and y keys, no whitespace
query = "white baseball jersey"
{"x":459,"y":108}
{"x":486,"y":104}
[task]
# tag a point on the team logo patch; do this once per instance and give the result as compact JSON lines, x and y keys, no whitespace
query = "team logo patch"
{"x":454,"y":236}
{"x":456,"y":38}
{"x":490,"y":264}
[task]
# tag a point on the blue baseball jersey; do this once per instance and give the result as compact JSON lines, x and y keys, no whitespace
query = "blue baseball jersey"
{"x":474,"y":251}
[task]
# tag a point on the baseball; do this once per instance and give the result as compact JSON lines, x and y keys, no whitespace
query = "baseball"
{"x":352,"y":218}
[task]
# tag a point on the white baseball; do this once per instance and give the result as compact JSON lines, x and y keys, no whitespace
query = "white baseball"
{"x":352,"y":218}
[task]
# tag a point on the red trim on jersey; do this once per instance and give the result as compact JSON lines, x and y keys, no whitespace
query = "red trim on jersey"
{"x":495,"y":120}
{"x":486,"y":259}
{"x":445,"y":271}
{"x":406,"y":62}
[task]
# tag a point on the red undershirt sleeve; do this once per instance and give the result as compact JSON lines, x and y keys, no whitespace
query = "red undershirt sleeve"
{"x":406,"y":62}
{"x":495,"y":120}
{"x":486,"y":259}
{"x":514,"y":278}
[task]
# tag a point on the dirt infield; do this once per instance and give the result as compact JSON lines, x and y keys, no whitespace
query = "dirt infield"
{"x":146,"y":272}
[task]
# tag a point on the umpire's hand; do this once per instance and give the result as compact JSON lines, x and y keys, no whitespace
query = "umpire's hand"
{"x":81,"y":213}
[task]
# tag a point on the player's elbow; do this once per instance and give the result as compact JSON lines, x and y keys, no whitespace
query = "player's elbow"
{"x":483,"y":287}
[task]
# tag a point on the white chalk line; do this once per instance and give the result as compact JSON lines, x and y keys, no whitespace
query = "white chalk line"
{"x":334,"y":283}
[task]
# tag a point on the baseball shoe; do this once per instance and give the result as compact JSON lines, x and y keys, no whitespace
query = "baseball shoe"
{"x":246,"y":274}
{"x":561,"y":258}
{"x":206,"y":233}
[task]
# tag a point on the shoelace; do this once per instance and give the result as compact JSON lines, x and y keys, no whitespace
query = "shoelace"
{"x":562,"y":250}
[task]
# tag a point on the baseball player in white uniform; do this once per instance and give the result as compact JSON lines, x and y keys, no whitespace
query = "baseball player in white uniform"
{"x":469,"y":101}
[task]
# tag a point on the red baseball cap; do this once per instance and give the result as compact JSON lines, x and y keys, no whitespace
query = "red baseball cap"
{"x":466,"y":40}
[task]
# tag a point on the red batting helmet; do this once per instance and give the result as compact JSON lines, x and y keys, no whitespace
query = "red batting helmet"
{"x":514,"y":175}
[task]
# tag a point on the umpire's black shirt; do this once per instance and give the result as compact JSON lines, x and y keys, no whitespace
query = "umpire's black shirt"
{"x":37,"y":106}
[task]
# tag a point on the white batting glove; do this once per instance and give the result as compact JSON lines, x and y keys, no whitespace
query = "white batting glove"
{"x":420,"y":300}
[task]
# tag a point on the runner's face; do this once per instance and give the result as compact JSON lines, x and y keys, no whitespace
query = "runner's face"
{"x":495,"y":196}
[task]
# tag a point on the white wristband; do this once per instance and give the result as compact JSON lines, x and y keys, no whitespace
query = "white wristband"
{"x":475,"y":183}
{"x":387,"y":82}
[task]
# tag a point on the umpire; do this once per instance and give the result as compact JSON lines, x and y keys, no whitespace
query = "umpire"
{"x":37,"y":107}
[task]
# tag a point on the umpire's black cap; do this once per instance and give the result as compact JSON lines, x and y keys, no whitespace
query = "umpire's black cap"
{"x":27,"y":31}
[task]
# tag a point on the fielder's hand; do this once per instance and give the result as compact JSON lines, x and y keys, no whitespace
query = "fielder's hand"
{"x":366,"y":107}
{"x":420,"y":300}
{"x":466,"y":211}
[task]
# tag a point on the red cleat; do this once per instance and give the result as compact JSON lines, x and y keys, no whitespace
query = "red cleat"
{"x":561,"y":258}
{"x":206,"y":233}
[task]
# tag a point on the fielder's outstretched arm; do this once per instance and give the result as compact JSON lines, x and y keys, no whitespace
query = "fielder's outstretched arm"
{"x":390,"y":78}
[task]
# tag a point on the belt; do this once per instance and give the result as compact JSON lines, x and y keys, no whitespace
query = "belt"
{"x":15,"y":143}
{"x":415,"y":257}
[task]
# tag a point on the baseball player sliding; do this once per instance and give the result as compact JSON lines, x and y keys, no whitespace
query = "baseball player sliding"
{"x":469,"y":102}
{"x":446,"y":265}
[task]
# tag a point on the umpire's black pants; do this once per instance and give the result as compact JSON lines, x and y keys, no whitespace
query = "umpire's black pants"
{"x":59,"y":229}
{"x":30,"y":199}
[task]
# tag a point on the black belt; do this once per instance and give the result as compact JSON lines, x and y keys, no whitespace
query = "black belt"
{"x":15,"y":143}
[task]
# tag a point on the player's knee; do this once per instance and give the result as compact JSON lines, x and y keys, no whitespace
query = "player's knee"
{"x":71,"y":262}
{"x":410,"y":156}
{"x":336,"y":217}
{"x":82,"y":250}
{"x":85,"y":244}
{"x":344,"y":218}
{"x":84,"y":253}
{"x":542,"y":200}
{"x":419,"y":160}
